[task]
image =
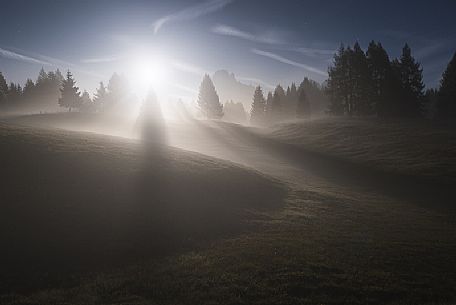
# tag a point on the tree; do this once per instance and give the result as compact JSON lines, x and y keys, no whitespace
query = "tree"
{"x":338,"y":88}
{"x":42,"y":78}
{"x":303,"y":108}
{"x":360,"y":82}
{"x":14,"y":94}
{"x":86,"y":103}
{"x":3,"y":89}
{"x":258,"y":111}
{"x":70,"y":95}
{"x":100,"y":97}
{"x":385,"y":84}
{"x":291,"y":101}
{"x":410,"y":75}
{"x":208,"y":100}
{"x":268,"y":108}
{"x":277,"y":107}
{"x":446,"y":102}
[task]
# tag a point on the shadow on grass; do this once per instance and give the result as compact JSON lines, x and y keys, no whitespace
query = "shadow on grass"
{"x":73,"y":204}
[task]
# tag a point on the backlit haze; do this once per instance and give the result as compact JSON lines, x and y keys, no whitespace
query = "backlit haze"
{"x":169,"y":45}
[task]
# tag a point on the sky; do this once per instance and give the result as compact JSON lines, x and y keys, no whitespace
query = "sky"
{"x":261,"y":42}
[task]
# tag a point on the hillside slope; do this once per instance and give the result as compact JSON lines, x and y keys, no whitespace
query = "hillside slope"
{"x":74,"y":201}
{"x":415,"y":148}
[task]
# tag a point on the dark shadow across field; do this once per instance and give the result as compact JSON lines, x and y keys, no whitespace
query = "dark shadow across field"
{"x":75,"y":203}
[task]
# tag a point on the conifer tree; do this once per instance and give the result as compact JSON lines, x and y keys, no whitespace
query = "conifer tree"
{"x":86,"y":103}
{"x":338,"y":88}
{"x":258,"y":111}
{"x":14,"y":93}
{"x":410,"y":75}
{"x":277,"y":107}
{"x":385,"y":85}
{"x":70,"y":95}
{"x":268,"y":108}
{"x":99,"y":99}
{"x":303,"y":108}
{"x":3,"y":89}
{"x":208,"y":100}
{"x":446,"y":102}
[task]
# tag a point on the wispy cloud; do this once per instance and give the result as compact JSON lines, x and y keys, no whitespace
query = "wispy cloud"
{"x":21,"y":57}
{"x":255,"y":81}
{"x":313,"y":52}
{"x":43,"y":60}
{"x":235,"y":32}
{"x":192,"y":12}
{"x":289,"y":61}
{"x":97,"y":60}
{"x":189,"y":68}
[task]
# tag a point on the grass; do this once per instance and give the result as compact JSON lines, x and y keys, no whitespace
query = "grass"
{"x":223,"y":246}
{"x":411,"y":147}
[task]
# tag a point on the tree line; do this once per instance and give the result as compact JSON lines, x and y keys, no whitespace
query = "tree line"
{"x":360,"y":83}
{"x":369,"y":83}
{"x":52,"y":89}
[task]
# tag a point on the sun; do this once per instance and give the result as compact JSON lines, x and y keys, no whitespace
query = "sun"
{"x":148,"y":71}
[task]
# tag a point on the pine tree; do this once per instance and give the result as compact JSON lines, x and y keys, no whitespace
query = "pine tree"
{"x":303,"y":109}
{"x":292,"y":101}
{"x":268,"y":108}
{"x":70,"y":96}
{"x":277,"y":107}
{"x":99,"y":99}
{"x":3,"y":89}
{"x":258,"y":111}
{"x":86,"y":103}
{"x":410,"y":74}
{"x":42,"y":78}
{"x":360,"y":82}
{"x":14,"y":94}
{"x":446,"y":102}
{"x":208,"y":100}
{"x":385,"y":87}
{"x":338,"y":88}
{"x":117,"y":91}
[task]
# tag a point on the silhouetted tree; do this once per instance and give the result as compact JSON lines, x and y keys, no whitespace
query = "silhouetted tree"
{"x":360,"y":82}
{"x":100,"y":97}
{"x":3,"y":89}
{"x":87,"y":104}
{"x":446,"y":103}
{"x":268,"y":108}
{"x":117,"y":92}
{"x":316,"y":95}
{"x":277,"y":107}
{"x":410,"y":75}
{"x":70,"y":96}
{"x":208,"y":100}
{"x":303,"y":109}
{"x":14,"y":94}
{"x":385,"y":84}
{"x":291,"y":101}
{"x":338,"y":88}
{"x":258,"y":111}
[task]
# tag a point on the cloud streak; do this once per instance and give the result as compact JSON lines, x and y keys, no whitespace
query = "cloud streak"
{"x":20,"y":57}
{"x":189,"y":68}
{"x":234,"y":32}
{"x":290,"y":62}
{"x":190,"y":13}
{"x":100,"y":60}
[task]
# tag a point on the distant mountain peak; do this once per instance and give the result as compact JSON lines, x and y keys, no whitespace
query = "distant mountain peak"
{"x":229,"y":88}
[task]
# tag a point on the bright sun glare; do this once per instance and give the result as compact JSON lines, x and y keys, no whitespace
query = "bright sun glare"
{"x":149,"y":71}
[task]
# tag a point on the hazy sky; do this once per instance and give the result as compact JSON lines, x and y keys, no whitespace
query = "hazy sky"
{"x":266,"y":42}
